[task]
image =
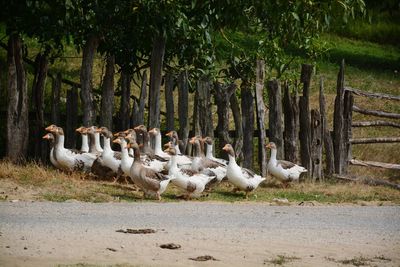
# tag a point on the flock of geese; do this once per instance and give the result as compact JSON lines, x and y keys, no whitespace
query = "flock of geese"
{"x":151,"y":168}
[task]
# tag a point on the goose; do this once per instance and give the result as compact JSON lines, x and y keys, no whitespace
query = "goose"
{"x":69,"y":159}
{"x":126,"y":158}
{"x":93,"y":145}
{"x":200,"y":163}
{"x":209,"y":151}
{"x":156,"y":134}
{"x":85,"y":142}
{"x":51,"y":138}
{"x":242,"y":178}
{"x":182,"y":160}
{"x":130,"y":133}
{"x":193,"y":184}
{"x":141,"y":130}
{"x":97,"y":138}
{"x":283,"y":170}
{"x":111,"y":158}
{"x":151,"y":182}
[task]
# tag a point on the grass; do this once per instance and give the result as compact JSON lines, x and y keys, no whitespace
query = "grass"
{"x":281,"y":259}
{"x":361,"y":260}
{"x":36,"y":182}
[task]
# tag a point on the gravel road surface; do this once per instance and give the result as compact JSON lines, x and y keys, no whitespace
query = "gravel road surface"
{"x":245,"y":234}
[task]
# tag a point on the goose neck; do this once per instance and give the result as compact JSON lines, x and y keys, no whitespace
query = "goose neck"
{"x":85,"y":143}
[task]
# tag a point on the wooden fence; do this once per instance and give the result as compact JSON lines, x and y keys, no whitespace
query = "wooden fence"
{"x":343,"y":139}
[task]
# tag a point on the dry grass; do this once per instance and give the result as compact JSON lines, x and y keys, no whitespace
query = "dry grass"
{"x":35,"y":182}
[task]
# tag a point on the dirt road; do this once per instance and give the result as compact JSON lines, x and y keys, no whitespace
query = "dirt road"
{"x":48,"y":234}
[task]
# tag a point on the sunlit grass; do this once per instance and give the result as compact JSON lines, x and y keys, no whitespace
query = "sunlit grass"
{"x":44,"y":183}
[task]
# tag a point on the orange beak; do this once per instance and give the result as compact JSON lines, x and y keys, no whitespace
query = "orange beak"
{"x":116,"y":141}
{"x":169,"y":134}
{"x":152,"y":131}
{"x":47,"y":136}
{"x":268,"y":145}
{"x":50,"y":128}
{"x":226,"y":147}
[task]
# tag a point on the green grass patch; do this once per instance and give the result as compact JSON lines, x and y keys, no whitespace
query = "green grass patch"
{"x":281,"y":259}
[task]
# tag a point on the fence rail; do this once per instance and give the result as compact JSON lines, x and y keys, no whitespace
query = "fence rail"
{"x":371,"y":94}
{"x":375,"y":123}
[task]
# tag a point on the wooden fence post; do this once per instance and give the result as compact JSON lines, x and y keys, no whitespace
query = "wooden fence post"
{"x":262,"y":153}
{"x":316,"y":145}
{"x":304,"y":106}
{"x":72,"y":117}
{"x":328,"y":145}
{"x":137,"y":117}
{"x":55,"y":99}
{"x":125,"y":100}
{"x":169,"y":101}
{"x":247,"y":103}
{"x":222,"y":95}
{"x":107,"y":94}
{"x":237,"y":117}
{"x":291,"y":113}
{"x":338,"y":125}
{"x":183,"y":102}
{"x":204,"y":107}
{"x":347,"y":131}
{"x":275,"y":115}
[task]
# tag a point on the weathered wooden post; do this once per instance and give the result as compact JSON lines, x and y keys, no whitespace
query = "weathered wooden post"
{"x":55,"y":99}
{"x":204,"y":107}
{"x":169,"y":101}
{"x":237,"y":117}
{"x":338,"y":124}
{"x":107,"y":94}
{"x":247,"y":103}
{"x":275,"y":115}
{"x":316,"y":146}
{"x":262,"y":153}
{"x":347,"y":124}
{"x":72,"y":117}
{"x":326,"y":135}
{"x":125,"y":100}
{"x":222,"y":94}
{"x":305,"y":134}
{"x":137,"y":117}
{"x":291,"y":113}
{"x":183,"y":108}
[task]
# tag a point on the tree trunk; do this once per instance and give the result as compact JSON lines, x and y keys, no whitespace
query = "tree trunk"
{"x":204,"y":107}
{"x":305,"y":133}
{"x":348,"y":134}
{"x":183,"y":108}
{"x":55,"y":100}
{"x":248,"y":124}
{"x":125,"y":100}
{"x":72,"y":117}
{"x":139,"y":105}
{"x":328,"y":145}
{"x":169,"y":101}
{"x":17,"y":110}
{"x":262,"y":153}
{"x":157,"y":59}
{"x":197,"y":130}
{"x":88,"y":53}
{"x":222,"y":95}
{"x":275,"y":115}
{"x":237,"y":117}
{"x":39,"y":81}
{"x":291,"y":112}
{"x":107,"y":95}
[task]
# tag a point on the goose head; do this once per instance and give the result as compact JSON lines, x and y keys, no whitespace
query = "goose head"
{"x":51,"y":128}
{"x":154,"y":131}
{"x":130,"y":133}
{"x":171,"y":151}
{"x":49,"y":136}
{"x":229,"y":149}
{"x":271,"y":145}
{"x":208,"y":140}
{"x":104,"y":132}
{"x":141,"y":128}
{"x":81,"y":130}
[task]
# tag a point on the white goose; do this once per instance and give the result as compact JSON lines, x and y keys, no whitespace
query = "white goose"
{"x":244,"y":179}
{"x":50,"y":137}
{"x":209,"y":151}
{"x":193,"y":184}
{"x":183,"y":161}
{"x":156,"y":134}
{"x":126,"y":158}
{"x":200,"y":163}
{"x":85,"y":141}
{"x":67,"y":158}
{"x":110,"y":157}
{"x":283,"y":170}
{"x":151,"y":182}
